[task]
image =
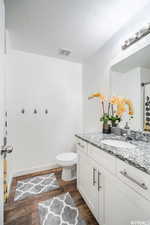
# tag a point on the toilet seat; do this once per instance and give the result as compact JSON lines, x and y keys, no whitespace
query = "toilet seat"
{"x":67,"y":159}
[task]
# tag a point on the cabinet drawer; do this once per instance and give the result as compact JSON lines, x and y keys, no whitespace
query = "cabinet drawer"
{"x":135,"y":178}
{"x":104,"y":159}
{"x":81,"y":145}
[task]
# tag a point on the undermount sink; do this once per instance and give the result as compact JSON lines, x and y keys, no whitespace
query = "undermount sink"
{"x":118,"y":144}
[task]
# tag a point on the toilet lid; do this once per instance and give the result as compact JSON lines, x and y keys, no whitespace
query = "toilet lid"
{"x":68,"y":156}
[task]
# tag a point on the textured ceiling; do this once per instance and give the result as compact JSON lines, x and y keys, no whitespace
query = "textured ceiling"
{"x":82,"y":26}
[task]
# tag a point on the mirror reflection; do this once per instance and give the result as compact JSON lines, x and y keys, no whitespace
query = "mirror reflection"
{"x":133,"y":84}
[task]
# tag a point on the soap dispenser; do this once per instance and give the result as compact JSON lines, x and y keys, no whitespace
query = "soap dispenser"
{"x":127,"y":128}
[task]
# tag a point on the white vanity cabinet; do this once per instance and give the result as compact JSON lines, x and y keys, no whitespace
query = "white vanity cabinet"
{"x":90,"y":182}
{"x":87,"y":180}
{"x":123,"y":204}
{"x":113,"y":198}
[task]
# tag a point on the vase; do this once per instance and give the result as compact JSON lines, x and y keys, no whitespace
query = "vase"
{"x":106,"y":128}
{"x":114,"y":124}
{"x":116,"y":130}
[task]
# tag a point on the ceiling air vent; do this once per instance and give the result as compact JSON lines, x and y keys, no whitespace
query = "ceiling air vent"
{"x":64,"y":52}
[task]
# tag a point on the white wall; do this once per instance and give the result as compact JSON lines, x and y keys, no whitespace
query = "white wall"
{"x":145,"y":75}
{"x":40,"y":82}
{"x":96,"y":70}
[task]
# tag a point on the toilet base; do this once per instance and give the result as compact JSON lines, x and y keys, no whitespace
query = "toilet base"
{"x":69,"y":173}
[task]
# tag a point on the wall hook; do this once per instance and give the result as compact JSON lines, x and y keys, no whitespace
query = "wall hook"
{"x":35,"y":111}
{"x":22,"y":111}
{"x":6,"y":123}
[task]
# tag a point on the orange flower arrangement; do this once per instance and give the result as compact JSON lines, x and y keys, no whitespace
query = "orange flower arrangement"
{"x":121,"y":103}
{"x":121,"y":107}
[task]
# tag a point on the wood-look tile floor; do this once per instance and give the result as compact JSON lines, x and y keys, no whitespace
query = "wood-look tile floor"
{"x":25,"y":212}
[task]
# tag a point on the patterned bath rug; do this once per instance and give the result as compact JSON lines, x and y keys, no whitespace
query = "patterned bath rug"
{"x":35,"y":185}
{"x":60,"y":210}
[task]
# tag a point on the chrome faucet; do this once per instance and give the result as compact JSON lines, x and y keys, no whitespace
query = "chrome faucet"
{"x":140,"y":137}
{"x":135,"y":136}
{"x":127,"y":137}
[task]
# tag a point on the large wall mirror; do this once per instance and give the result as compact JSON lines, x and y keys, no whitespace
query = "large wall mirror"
{"x":130,"y":78}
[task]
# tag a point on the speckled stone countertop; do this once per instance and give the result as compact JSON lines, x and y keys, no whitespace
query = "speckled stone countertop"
{"x":138,"y":157}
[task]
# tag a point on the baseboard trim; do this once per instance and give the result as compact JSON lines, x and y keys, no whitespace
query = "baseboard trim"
{"x":34,"y":169}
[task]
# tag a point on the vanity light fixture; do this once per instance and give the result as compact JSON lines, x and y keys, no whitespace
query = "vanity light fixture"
{"x":137,"y":36}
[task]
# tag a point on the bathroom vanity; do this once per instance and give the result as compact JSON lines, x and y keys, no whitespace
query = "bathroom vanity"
{"x":114,"y":182}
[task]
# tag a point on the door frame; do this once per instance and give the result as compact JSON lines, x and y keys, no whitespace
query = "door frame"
{"x":2,"y":100}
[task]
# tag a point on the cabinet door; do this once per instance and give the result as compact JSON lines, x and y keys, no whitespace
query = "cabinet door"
{"x":87,"y":182}
{"x":101,"y":195}
{"x":82,"y":169}
{"x":124,"y":205}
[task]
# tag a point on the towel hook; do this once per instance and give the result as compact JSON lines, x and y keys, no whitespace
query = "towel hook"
{"x":35,"y":111}
{"x":23,"y":111}
{"x":46,"y":111}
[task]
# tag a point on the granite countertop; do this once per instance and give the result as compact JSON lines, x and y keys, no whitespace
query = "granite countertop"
{"x":138,"y":157}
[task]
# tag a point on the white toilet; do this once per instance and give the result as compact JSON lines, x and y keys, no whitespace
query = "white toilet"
{"x":68,"y":161}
